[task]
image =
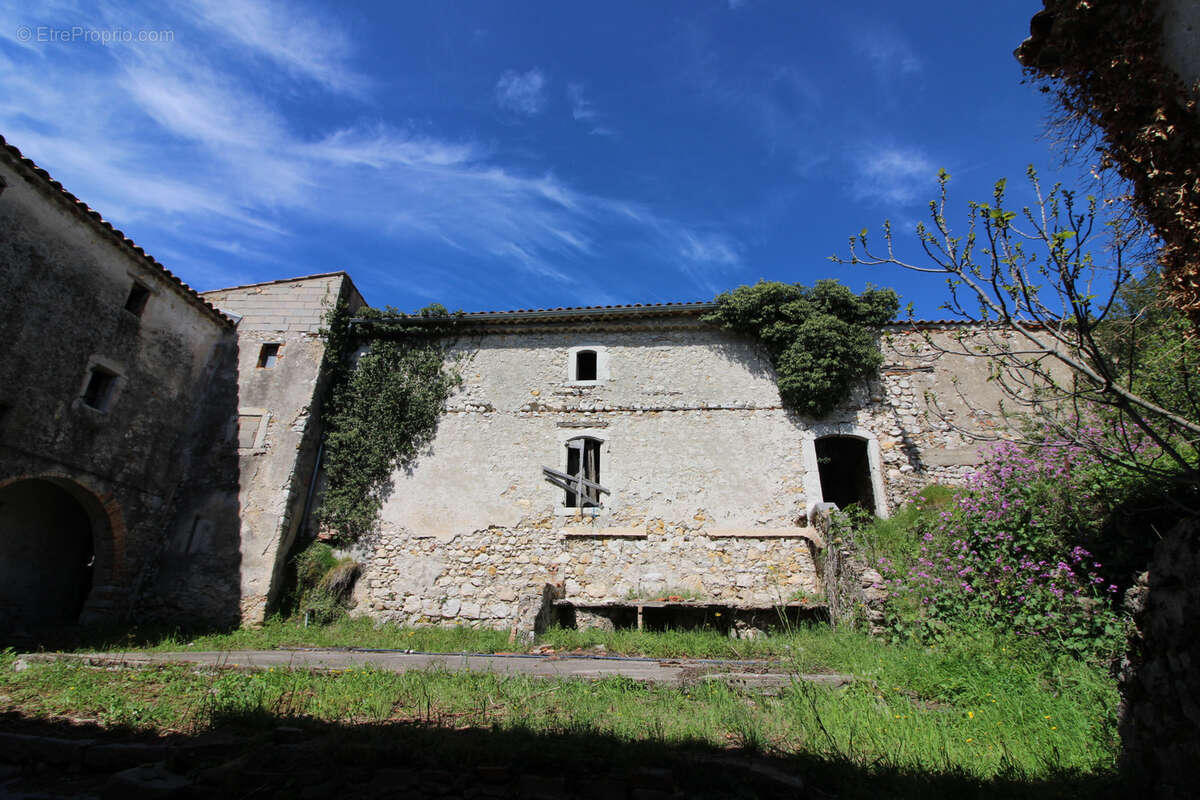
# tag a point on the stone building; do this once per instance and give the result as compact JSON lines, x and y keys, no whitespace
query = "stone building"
{"x":224,"y":555}
{"x":698,"y":483}
{"x":156,"y":452}
{"x":103,"y":403}
{"x":159,"y":448}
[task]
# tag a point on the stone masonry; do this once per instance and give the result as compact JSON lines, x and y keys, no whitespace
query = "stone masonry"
{"x":711,"y":479}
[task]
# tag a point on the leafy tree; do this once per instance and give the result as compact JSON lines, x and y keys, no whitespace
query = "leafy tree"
{"x":820,"y":340}
{"x":1049,"y":291}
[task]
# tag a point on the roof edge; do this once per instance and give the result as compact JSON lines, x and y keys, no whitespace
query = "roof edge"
{"x":91,"y":217}
{"x":297,"y":279}
{"x":600,"y":313}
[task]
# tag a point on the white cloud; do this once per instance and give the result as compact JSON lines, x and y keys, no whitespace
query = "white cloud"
{"x":300,"y":41}
{"x":708,"y":248}
{"x":581,"y":107}
{"x":889,"y":53}
{"x":197,"y":159}
{"x":893,"y":175}
{"x":522,"y":93}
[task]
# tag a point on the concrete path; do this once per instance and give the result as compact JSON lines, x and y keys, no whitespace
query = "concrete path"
{"x":668,"y":671}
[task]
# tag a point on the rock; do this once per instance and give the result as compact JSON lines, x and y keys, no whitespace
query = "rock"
{"x":451,"y":607}
{"x":507,"y":595}
{"x":469,"y":611}
{"x":151,"y":781}
{"x":20,"y":665}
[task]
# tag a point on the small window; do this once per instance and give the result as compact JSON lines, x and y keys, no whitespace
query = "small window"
{"x":136,"y":302}
{"x":583,"y":461}
{"x":585,"y":365}
{"x":248,"y":426}
{"x":268,"y":356}
{"x":99,"y":389}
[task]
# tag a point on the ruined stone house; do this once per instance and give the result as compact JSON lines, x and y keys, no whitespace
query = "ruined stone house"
{"x":159,"y":448}
{"x":628,"y":453}
{"x":155,"y":451}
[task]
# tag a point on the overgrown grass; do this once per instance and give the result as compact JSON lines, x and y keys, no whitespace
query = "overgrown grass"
{"x":897,"y":538}
{"x":284,"y":633}
{"x":976,"y":709}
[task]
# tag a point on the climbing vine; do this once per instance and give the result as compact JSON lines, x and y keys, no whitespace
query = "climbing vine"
{"x":383,"y":409}
{"x":820,"y":339}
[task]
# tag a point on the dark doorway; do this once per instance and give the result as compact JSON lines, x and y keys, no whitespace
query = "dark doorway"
{"x":845,"y":472}
{"x":46,"y":555}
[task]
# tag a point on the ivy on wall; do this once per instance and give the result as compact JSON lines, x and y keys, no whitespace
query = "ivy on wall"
{"x":820,"y":339}
{"x":381,"y":410}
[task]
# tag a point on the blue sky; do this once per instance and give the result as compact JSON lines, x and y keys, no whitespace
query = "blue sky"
{"x":491,"y":155}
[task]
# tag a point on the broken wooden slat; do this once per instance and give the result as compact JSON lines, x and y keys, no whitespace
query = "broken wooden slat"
{"x":572,"y":479}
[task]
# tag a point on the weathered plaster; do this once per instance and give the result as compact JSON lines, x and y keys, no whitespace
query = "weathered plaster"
{"x":710,"y":477}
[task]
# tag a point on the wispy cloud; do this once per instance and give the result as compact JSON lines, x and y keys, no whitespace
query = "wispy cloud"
{"x":200,"y":163}
{"x":304,"y":43}
{"x":893,"y":175}
{"x":583,"y":110}
{"x":777,"y":101}
{"x":522,"y":92}
{"x":581,"y":107}
{"x":888,"y":52}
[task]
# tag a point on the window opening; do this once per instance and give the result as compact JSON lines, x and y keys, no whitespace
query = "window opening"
{"x":268,"y":356}
{"x":845,"y":471}
{"x":585,"y":365}
{"x":581,"y":481}
{"x":99,"y":389}
{"x":136,"y":302}
{"x":247,"y":429}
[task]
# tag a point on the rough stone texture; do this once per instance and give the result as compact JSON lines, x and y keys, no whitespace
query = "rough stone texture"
{"x":711,"y":478}
{"x":64,"y":282}
{"x":1160,"y":676}
{"x":270,"y":490}
{"x":855,"y":592}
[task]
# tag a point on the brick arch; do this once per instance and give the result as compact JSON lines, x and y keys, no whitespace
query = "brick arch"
{"x":108,"y":524}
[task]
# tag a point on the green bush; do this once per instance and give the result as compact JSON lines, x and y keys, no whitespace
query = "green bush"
{"x":820,"y":340}
{"x":323,"y":583}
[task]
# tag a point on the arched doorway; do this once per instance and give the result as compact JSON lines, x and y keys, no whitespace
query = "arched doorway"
{"x":845,"y":469}
{"x":47,"y":554}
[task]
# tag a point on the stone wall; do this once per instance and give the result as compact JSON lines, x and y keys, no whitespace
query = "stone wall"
{"x":253,"y":506}
{"x":711,"y":479}
{"x":1160,"y":675}
{"x":65,"y":281}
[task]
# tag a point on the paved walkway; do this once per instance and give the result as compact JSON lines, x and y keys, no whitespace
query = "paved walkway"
{"x":667,"y":671}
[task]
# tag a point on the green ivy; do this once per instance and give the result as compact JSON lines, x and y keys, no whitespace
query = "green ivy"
{"x":382,"y":410}
{"x":820,"y":339}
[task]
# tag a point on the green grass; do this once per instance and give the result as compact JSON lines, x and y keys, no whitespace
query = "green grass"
{"x":279,"y":633}
{"x":976,"y":710}
{"x":897,"y":538}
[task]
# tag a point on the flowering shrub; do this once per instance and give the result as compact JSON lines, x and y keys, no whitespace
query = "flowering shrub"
{"x":1005,"y":553}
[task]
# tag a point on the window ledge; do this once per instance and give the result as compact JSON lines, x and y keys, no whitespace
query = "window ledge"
{"x":765,"y":533}
{"x":569,"y":511}
{"x":621,"y":533}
